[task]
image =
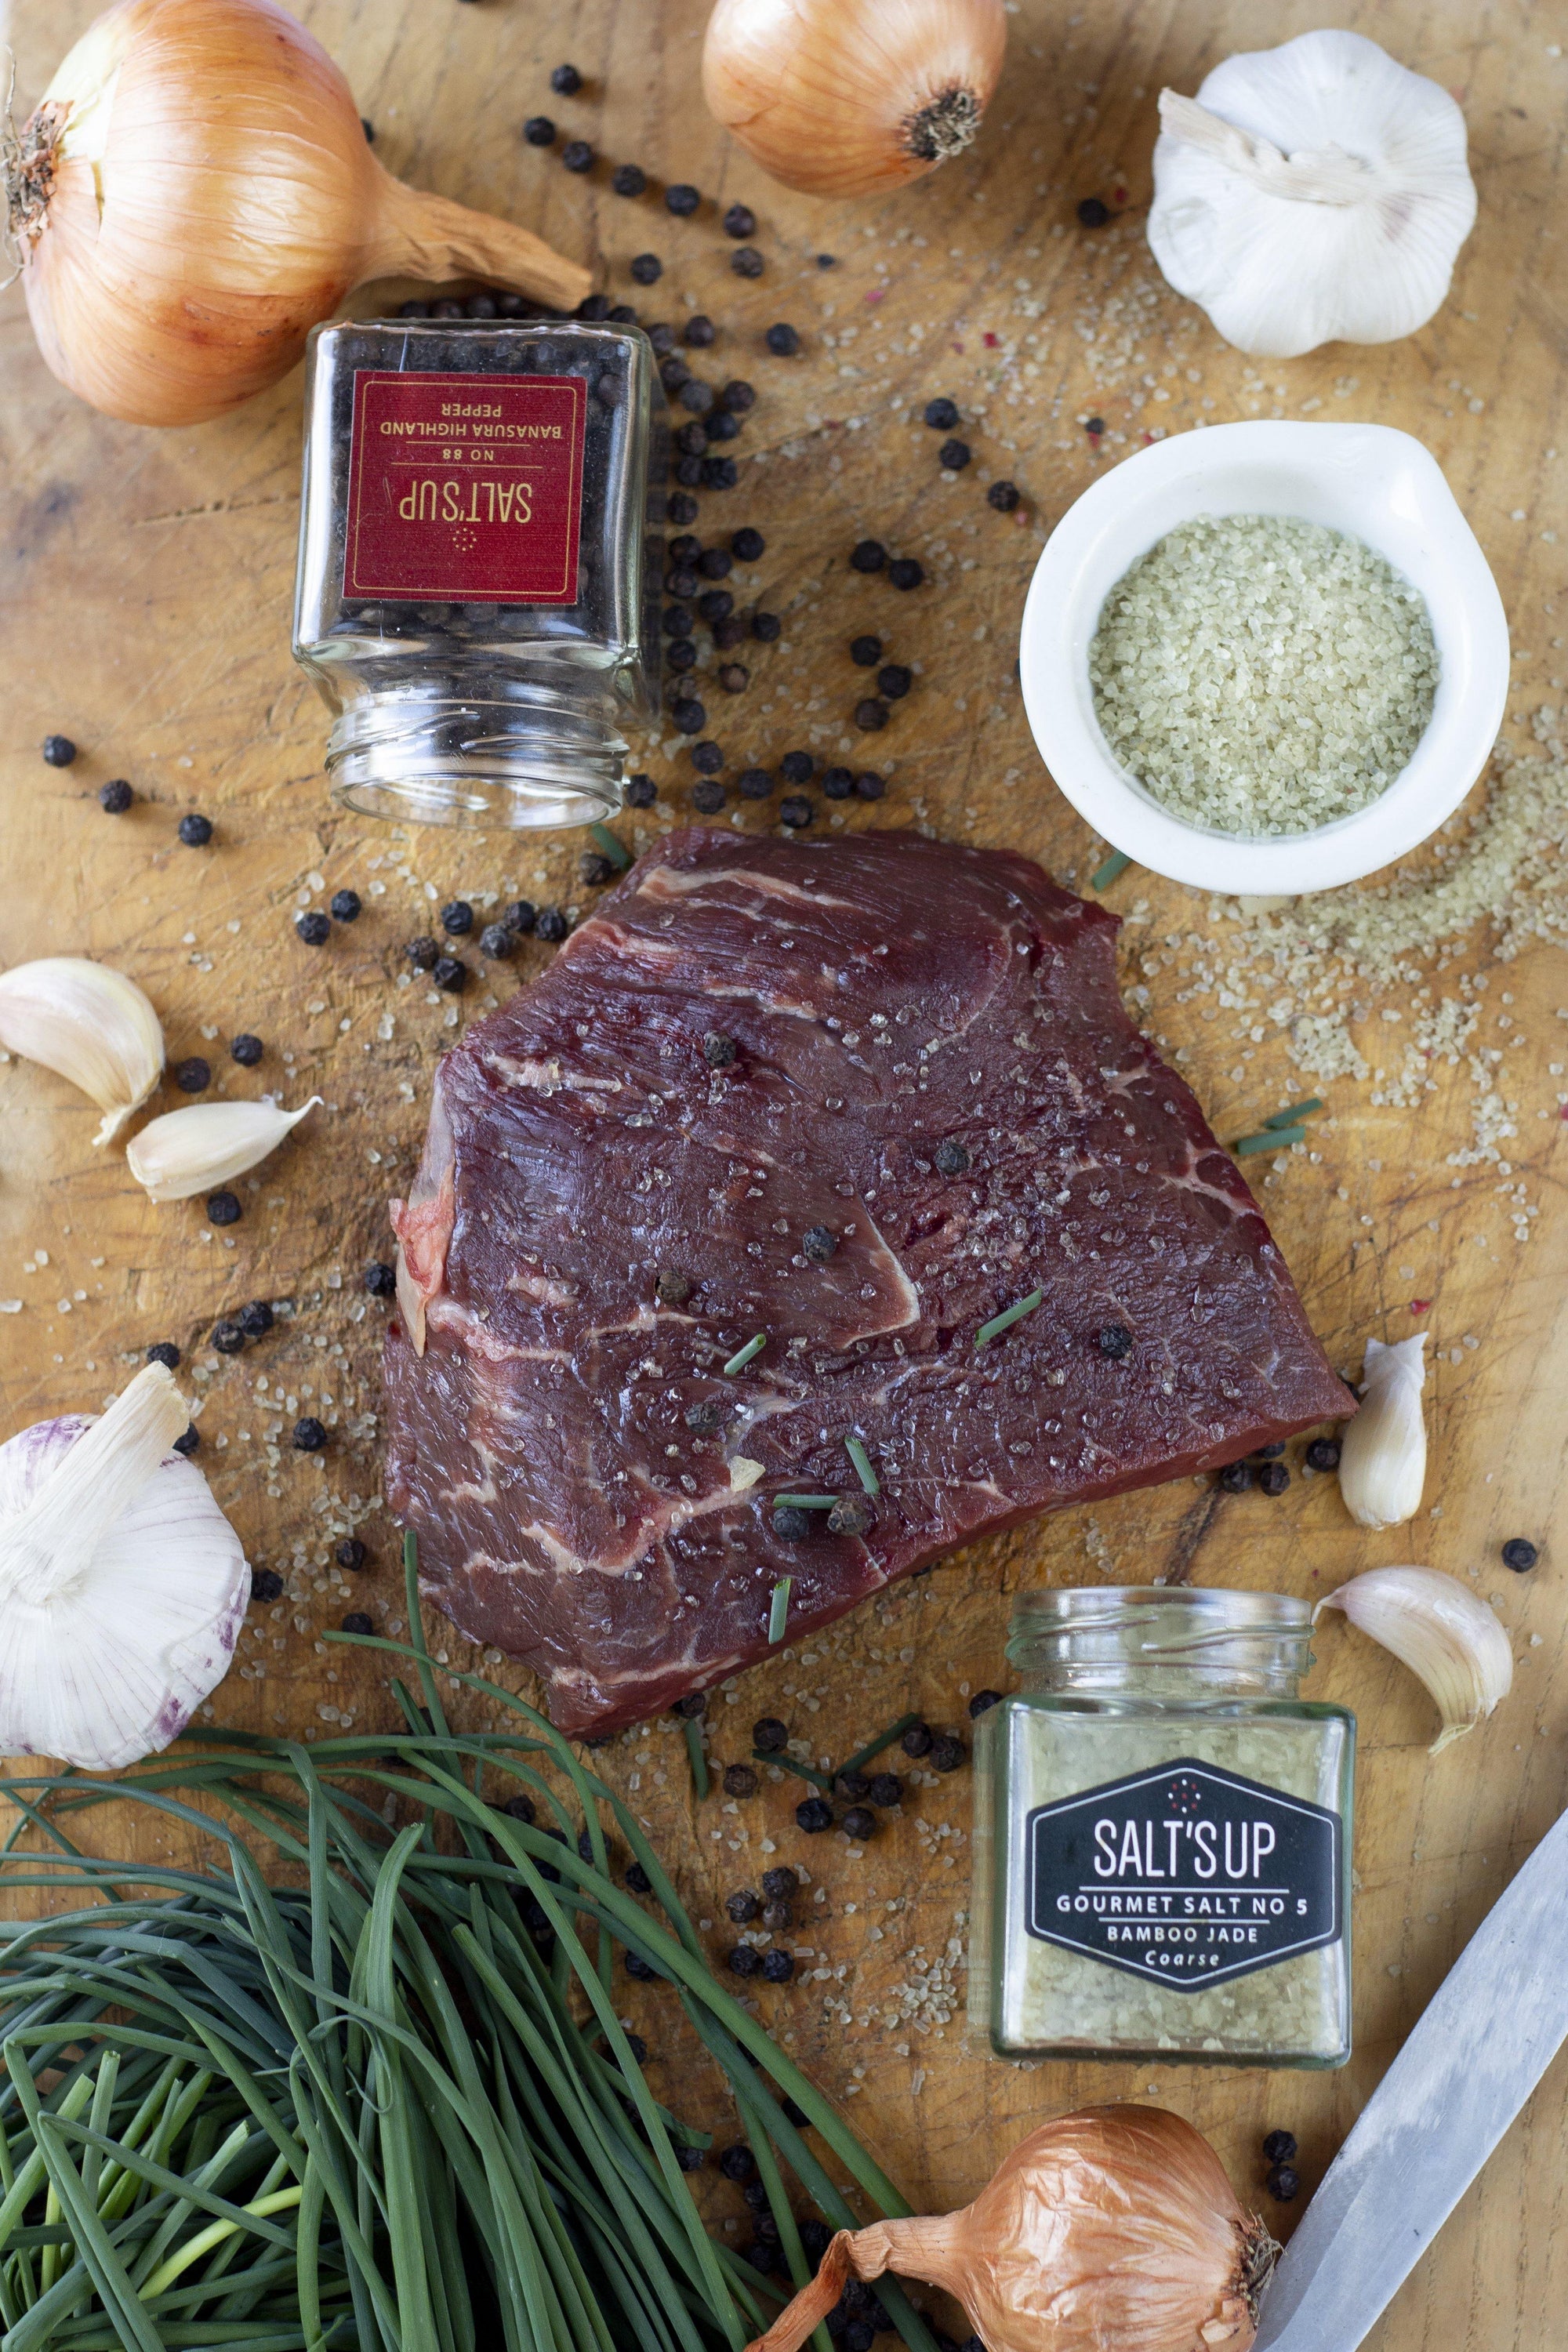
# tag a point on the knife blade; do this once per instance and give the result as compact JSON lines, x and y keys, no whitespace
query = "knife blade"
{"x":1473,"y":2058}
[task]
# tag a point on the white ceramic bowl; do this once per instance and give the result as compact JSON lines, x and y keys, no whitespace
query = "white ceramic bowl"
{"x":1379,"y":486}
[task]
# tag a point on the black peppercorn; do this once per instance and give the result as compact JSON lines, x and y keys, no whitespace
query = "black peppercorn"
{"x":422,"y":954}
{"x":1520,"y":1554}
{"x":768,"y":1734}
{"x":906,"y":572}
{"x":622,"y":315}
{"x":708,"y":797}
{"x":795,"y":811}
{"x":740,"y":397}
{"x":59,"y":751}
{"x":746,"y":545}
{"x":520,"y":916}
{"x":777,"y":1968}
{"x":741,"y":1907}
{"x":941,"y":414}
{"x":639,"y":1968}
{"x":1283,"y":2183}
{"x":227,"y":1339}
{"x":638,"y":1879}
{"x":551,"y":926}
{"x":1268,"y":1452}
{"x":266,"y":1585}
{"x":163,"y":1352}
{"x":815,"y":2238}
{"x":756,"y":783}
{"x":188,"y":1439}
{"x":894,"y":681}
{"x":196,"y":831}
{"x":796,"y":766}
{"x":790,"y":1524}
{"x":870,"y":716}
{"x":356,"y":1622}
{"x":256,"y":1319}
{"x":869,"y":786}
{"x":1094,"y":423}
{"x":781,"y":341}
{"x":1273,"y":1479}
{"x":715,"y":563}
{"x":738,"y":2163}
{"x":192,"y":1075}
{"x":246,"y":1049}
{"x":718,"y":1051}
{"x":766,"y":627}
{"x":689,"y":2159}
{"x":115,"y":797}
{"x":917,"y":1741}
{"x":859,"y":1822}
{"x":740,"y":221}
{"x":868,"y":555}
{"x":566,"y":81}
{"x":645,"y":267}
{"x":421,"y":309}
{"x":539,"y":131}
{"x":734,"y":677}
{"x":1002,"y":496}
{"x":680,"y":654}
{"x":1279,"y":2147}
{"x":682,"y":199}
{"x":577,"y":156}
{"x":740,"y":1781}
{"x":705,"y":1415}
{"x":1092,"y":213}
{"x":746,"y":261}
{"x":641,"y":791}
{"x":1235,"y":1477}
{"x":865,"y":652}
{"x":681,"y":580}
{"x":344,"y":906}
{"x":780,"y":1882}
{"x":498,"y":941}
{"x":851,"y":1515}
{"x":688,"y":715}
{"x":851,"y":1786}
{"x":628,"y":180}
{"x":449,"y":973}
{"x":350,"y":1554}
{"x":309,"y":1434}
{"x":313,"y":928}
{"x":982,"y":1702}
{"x":458,"y":918}
{"x":1114,"y":1341}
{"x":222,"y":1208}
{"x":673,"y":372}
{"x":595,"y":870}
{"x":743,"y":1961}
{"x":815,"y":1813}
{"x":819,"y":1243}
{"x":953,"y":456}
{"x":837,"y":783}
{"x":681,"y":509}
{"x":699,"y":331}
{"x":706,"y":758}
{"x":886,"y":1788}
{"x":947,"y":1752}
{"x":1323,"y":1454}
{"x":380,"y":1278}
{"x":716,"y":603}
{"x":480,"y":306}
{"x":671,"y":1289}
{"x":951,"y":1158}
{"x":720,"y":473}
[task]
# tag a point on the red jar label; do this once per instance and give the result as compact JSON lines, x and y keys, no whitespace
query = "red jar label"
{"x":465,"y":488}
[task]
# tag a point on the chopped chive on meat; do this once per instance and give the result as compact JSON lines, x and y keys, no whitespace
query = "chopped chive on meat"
{"x":1271,"y":1139}
{"x":619,"y":857}
{"x":694,"y":1730}
{"x":806,"y":1502}
{"x":1104,"y":876}
{"x":863,"y":1756}
{"x":778,"y":1609}
{"x":742,"y":1356}
{"x":768,"y":1756}
{"x":1009,"y":1314}
{"x":862,"y":1470}
{"x":1296,"y":1111}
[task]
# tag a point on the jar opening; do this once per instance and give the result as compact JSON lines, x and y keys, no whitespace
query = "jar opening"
{"x":1175,"y":1634}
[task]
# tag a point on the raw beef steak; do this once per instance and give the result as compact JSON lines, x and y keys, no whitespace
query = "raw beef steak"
{"x":856,"y":1098}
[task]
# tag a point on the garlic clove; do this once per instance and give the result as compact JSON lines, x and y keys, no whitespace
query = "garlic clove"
{"x":189,"y":1151}
{"x":1437,"y":1627}
{"x":91,"y":1024}
{"x":1314,"y":193}
{"x":122,"y":1586}
{"x":1382,"y":1453}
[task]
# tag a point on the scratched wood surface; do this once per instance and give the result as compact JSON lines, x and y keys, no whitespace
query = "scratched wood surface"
{"x":147,"y":578}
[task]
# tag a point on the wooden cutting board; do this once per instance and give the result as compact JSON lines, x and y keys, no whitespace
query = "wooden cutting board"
{"x":147,"y":579}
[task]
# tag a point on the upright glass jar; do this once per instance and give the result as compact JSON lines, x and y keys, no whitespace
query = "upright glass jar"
{"x":480,"y":563}
{"x":1162,"y":1851}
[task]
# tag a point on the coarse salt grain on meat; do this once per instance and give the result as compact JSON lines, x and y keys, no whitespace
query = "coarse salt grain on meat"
{"x":885,"y":994}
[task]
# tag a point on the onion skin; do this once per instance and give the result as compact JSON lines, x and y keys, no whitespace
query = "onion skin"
{"x":1111,"y":2226}
{"x":240,"y":203}
{"x":823,"y":92}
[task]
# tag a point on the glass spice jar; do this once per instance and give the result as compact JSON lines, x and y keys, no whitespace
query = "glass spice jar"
{"x":480,"y":562}
{"x":1162,"y":1841}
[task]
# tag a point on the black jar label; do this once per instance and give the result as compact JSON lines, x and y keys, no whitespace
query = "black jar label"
{"x":466,"y":489}
{"x":1188,"y":1875}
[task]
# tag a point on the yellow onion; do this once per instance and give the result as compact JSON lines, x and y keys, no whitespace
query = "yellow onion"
{"x":846,"y":98}
{"x":195,"y":192}
{"x":1109,"y":2227}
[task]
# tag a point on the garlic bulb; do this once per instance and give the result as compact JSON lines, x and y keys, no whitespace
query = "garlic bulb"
{"x":189,"y":1151}
{"x":1313,"y":193}
{"x":122,"y":1586}
{"x":91,"y":1024}
{"x":1441,"y":1631}
{"x":1383,"y":1453}
{"x":196,"y":191}
{"x":847,"y":98}
{"x":1111,"y":2227}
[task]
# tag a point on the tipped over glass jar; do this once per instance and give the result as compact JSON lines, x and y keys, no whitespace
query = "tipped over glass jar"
{"x":1162,"y":1844}
{"x":480,"y":562}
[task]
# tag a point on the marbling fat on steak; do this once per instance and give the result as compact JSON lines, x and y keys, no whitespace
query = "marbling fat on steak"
{"x":884,"y":995}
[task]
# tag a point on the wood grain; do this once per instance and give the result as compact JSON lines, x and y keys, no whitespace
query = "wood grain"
{"x":147,"y":582}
